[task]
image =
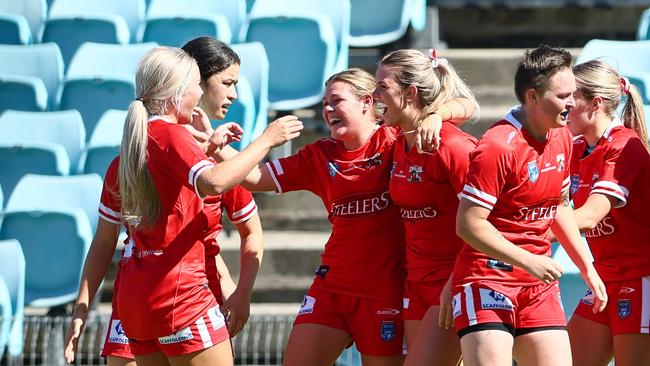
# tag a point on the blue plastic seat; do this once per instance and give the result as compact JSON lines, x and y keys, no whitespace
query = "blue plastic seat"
{"x":14,"y":29}
{"x":55,"y":243}
{"x":6,"y":317}
{"x":643,"y":30}
{"x":302,"y":55}
{"x":418,"y":14}
{"x":625,"y":56}
{"x":25,"y":63}
{"x":12,"y":272}
{"x":338,"y":12}
{"x":71,"y":32}
{"x":101,"y":77}
{"x":132,"y":11}
{"x":34,"y":12}
{"x":104,"y":144}
{"x":47,"y":191}
{"x":378,"y":29}
{"x":176,"y":31}
{"x":255,"y":68}
{"x":63,"y":127}
{"x":30,"y":157}
{"x":242,"y":111}
{"x":233,"y":11}
{"x":96,"y":159}
{"x":24,"y":93}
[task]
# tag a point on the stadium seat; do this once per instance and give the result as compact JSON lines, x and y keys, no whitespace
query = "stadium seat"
{"x":132,"y":11}
{"x":101,"y":77}
{"x":14,"y":29}
{"x":242,"y":111}
{"x":302,"y":55}
{"x":572,"y":286}
{"x":176,"y":31}
{"x":47,"y":191}
{"x":642,"y":81}
{"x":625,"y":56}
{"x":12,"y":270}
{"x":234,"y":11}
{"x":255,"y":68}
{"x":34,"y":12}
{"x":72,"y":31}
{"x":55,"y":243}
{"x":370,"y":30}
{"x":104,"y":144}
{"x":24,"y":93}
{"x":31,"y":157}
{"x":42,"y":61}
{"x":63,"y":127}
{"x":338,"y":12}
{"x":418,"y":14}
{"x":6,"y":311}
{"x":643,"y":31}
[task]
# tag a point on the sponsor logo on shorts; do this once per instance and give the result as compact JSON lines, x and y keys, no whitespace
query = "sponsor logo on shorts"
{"x":307,"y":306}
{"x":493,"y":300}
{"x":624,"y":308}
{"x":387,"y":312}
{"x":387,"y":330}
{"x":588,"y":299}
{"x":626,"y":290}
{"x":406,"y":302}
{"x":182,"y":335}
{"x":117,"y":334}
{"x":455,"y":305}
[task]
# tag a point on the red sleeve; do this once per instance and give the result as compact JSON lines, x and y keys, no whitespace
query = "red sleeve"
{"x":490,"y":164}
{"x":296,"y":172}
{"x":240,"y":205}
{"x":109,"y":203}
{"x":566,"y":160}
{"x":620,"y":169}
{"x":455,"y":151}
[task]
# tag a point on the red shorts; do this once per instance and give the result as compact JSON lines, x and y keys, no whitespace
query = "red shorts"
{"x":116,"y":342}
{"x":376,"y":326}
{"x":627,"y":310}
{"x":515,"y":309}
{"x":206,"y":331}
{"x":419,"y":296}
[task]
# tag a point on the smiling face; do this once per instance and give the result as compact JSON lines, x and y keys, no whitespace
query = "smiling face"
{"x":550,"y":107}
{"x":345,"y":114}
{"x":390,"y":94}
{"x":220,"y":92}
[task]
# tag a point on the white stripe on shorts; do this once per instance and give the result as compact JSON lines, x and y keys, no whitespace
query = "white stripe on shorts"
{"x":203,"y":332}
{"x":645,"y":304}
{"x":469,"y":305}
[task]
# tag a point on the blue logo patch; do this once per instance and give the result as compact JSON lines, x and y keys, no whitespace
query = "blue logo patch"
{"x":624,"y":310}
{"x":333,"y":168}
{"x":575,"y":183}
{"x":387,"y":331}
{"x":533,"y":171}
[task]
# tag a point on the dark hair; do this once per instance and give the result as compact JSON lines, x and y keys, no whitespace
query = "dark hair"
{"x":211,"y":55}
{"x":537,"y":67}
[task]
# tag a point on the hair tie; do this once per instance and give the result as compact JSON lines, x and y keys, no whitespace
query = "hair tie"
{"x":625,"y":85}
{"x":140,"y":99}
{"x":435,"y":61}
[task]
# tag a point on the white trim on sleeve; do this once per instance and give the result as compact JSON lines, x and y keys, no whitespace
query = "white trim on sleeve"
{"x":247,"y":213}
{"x":195,"y":173}
{"x":270,"y":167}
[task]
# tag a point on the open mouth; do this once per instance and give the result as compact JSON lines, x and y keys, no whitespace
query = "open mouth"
{"x":334,"y":121}
{"x":380,"y":107}
{"x":564,"y":115}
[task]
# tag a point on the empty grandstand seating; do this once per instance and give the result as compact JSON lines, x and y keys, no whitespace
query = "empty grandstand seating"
{"x":33,"y":12}
{"x":369,"y":30}
{"x":623,"y":55}
{"x":104,"y":144}
{"x":12,"y":272}
{"x":31,"y":66}
{"x":176,"y":31}
{"x":14,"y":29}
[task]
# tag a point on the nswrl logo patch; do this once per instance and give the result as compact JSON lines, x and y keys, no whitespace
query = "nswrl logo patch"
{"x":387,"y":330}
{"x":624,"y":308}
{"x":533,"y":171}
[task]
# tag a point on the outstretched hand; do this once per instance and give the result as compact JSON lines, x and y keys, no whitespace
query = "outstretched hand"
{"x":223,"y":135}
{"x":282,"y":130}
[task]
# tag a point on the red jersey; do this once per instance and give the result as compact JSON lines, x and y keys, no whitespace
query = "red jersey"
{"x":163,"y":286}
{"x":364,"y":253}
{"x":619,"y":167}
{"x":520,"y":180}
{"x":426,"y":188}
{"x":240,"y":205}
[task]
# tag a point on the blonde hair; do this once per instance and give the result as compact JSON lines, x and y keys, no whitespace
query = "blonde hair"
{"x":362,"y":83}
{"x":597,"y":78}
{"x":436,"y":85}
{"x":162,"y":76}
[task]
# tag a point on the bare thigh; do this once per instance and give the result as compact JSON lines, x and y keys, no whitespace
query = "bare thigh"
{"x":410,"y":330}
{"x":487,"y":348}
{"x":382,"y":360}
{"x":591,"y":342}
{"x":152,"y":359}
{"x":543,"y":348}
{"x":632,"y":349}
{"x":217,"y":355}
{"x":432,"y":344}
{"x":314,"y":345}
{"x":119,"y":361}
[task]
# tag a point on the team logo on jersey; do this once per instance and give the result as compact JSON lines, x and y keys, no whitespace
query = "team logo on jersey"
{"x":182,"y":335}
{"x":415,"y":173}
{"x":455,"y":305}
{"x":575,"y":183}
{"x":307,"y":306}
{"x":624,"y":310}
{"x":332,"y":168}
{"x":588,"y":299}
{"x":387,"y":330}
{"x":494,"y":300}
{"x":560,"y":162}
{"x":117,"y":334}
{"x":372,"y":161}
{"x":533,"y":171}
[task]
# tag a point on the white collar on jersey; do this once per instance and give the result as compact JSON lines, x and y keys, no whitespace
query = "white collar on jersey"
{"x":614,"y":123}
{"x":157,"y":117}
{"x":511,"y":118}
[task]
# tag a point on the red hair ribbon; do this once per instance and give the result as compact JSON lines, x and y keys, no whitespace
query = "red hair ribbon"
{"x":625,"y":85}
